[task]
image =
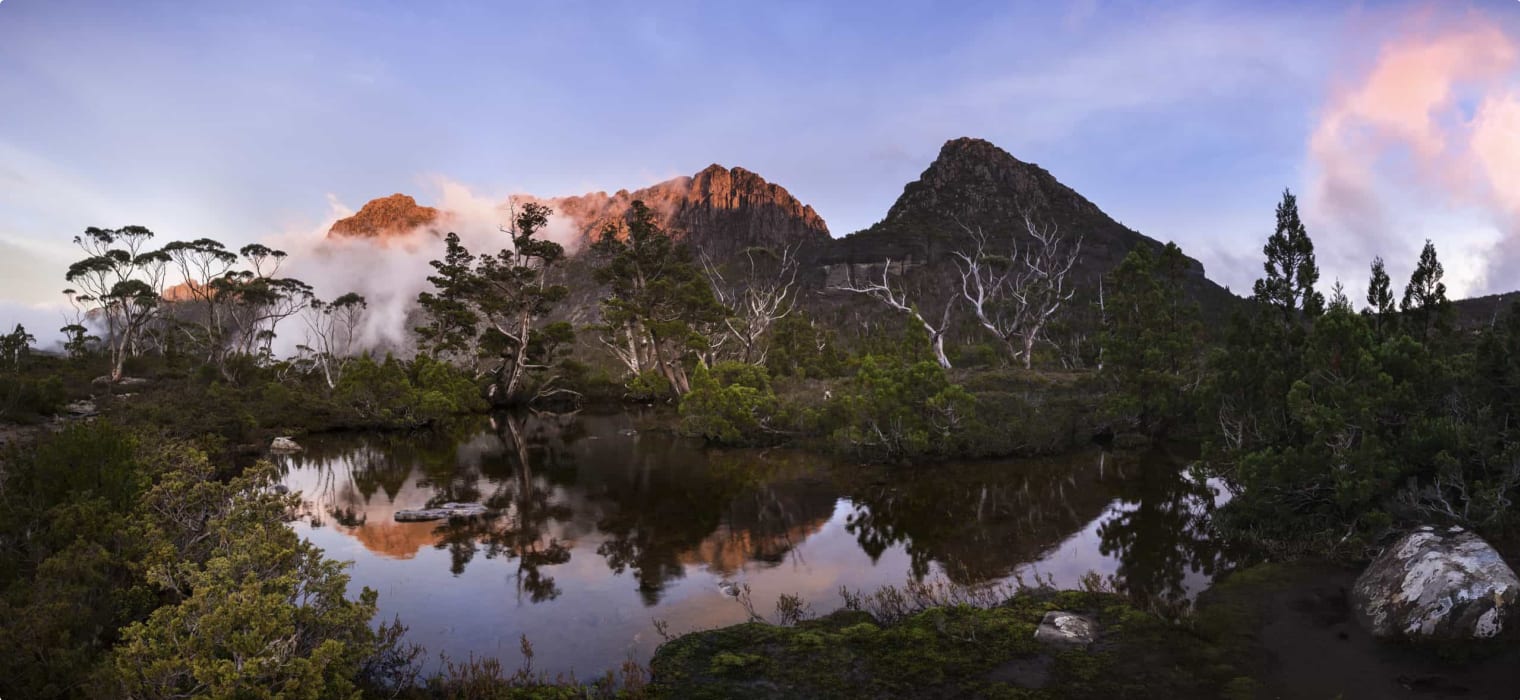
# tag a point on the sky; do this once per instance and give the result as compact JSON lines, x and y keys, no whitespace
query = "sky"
{"x":1395,"y":122}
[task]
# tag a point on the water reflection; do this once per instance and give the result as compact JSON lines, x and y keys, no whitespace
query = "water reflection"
{"x":599,"y":529}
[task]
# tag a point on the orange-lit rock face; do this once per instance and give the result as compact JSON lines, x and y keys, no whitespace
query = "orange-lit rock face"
{"x":714,"y":206}
{"x":394,"y":540}
{"x":723,"y":210}
{"x":189,"y":290}
{"x":390,"y":217}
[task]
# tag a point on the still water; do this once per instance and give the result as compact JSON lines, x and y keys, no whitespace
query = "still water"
{"x":603,"y":529}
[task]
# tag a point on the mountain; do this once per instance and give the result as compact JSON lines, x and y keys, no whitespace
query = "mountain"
{"x":387,"y":217}
{"x":719,"y":210}
{"x":976,"y":184}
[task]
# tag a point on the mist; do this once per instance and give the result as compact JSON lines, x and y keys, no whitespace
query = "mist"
{"x":390,"y":272}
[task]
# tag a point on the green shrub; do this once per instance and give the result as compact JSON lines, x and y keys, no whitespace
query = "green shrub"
{"x":895,"y":411}
{"x":731,"y":404}
{"x":648,"y":386}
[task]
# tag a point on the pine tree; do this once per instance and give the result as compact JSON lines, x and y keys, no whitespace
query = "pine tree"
{"x":1425,"y":302}
{"x":1150,"y":345}
{"x":1380,"y":308}
{"x":1290,"y":267}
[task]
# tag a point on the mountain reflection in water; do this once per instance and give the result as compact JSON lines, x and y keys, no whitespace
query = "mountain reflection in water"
{"x":600,"y":530}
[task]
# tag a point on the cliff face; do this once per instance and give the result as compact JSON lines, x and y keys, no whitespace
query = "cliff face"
{"x":720,"y":210}
{"x":388,"y":217}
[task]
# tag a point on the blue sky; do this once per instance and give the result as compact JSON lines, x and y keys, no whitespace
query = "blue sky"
{"x":238,"y":120}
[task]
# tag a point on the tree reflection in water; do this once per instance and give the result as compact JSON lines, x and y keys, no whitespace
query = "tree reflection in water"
{"x":653,"y":507}
{"x":595,"y":525}
{"x":523,"y":529}
{"x":1160,"y":532}
{"x":980,"y":522}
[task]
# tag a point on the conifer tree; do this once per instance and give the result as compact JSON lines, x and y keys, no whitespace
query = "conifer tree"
{"x":1380,"y":308}
{"x":660,"y":311}
{"x":1150,"y":345}
{"x":1290,"y":267}
{"x":1425,"y":303}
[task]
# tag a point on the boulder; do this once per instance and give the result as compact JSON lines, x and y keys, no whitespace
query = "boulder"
{"x":1436,"y":585}
{"x":284,"y":445}
{"x":1065,"y":629}
{"x":447,"y":510}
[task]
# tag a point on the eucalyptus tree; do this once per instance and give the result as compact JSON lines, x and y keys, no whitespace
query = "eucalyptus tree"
{"x":201,"y":264}
{"x":257,"y":302}
{"x":119,"y":284}
{"x":332,"y":333}
{"x":15,"y":346}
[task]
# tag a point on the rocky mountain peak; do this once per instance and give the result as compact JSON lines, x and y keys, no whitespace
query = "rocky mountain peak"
{"x":388,"y":217}
{"x":719,"y":209}
{"x":974,"y":183}
{"x":974,"y":179}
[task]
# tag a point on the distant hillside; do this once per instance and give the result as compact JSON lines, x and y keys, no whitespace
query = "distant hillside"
{"x":1479,"y":311}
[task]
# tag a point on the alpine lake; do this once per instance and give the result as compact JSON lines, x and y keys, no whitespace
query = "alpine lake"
{"x":602,"y":525}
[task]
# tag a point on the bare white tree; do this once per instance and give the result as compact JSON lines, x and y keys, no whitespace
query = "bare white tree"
{"x":1015,"y":296}
{"x":331,"y":330}
{"x":761,"y":292}
{"x":897,"y":298}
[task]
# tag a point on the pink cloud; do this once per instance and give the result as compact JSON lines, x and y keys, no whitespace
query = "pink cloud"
{"x":1406,"y":133}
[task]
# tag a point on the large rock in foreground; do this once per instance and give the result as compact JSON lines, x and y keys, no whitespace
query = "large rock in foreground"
{"x":1437,"y":585}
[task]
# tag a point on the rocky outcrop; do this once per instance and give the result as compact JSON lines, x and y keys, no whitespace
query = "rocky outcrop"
{"x":1437,"y":584}
{"x":722,"y":210}
{"x":284,"y":445}
{"x":442,"y":512}
{"x":390,"y":217}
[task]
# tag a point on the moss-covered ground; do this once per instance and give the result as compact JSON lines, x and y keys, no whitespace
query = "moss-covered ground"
{"x":962,"y":651}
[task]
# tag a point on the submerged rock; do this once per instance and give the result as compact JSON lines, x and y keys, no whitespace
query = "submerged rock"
{"x":284,"y":445}
{"x":1436,"y":584}
{"x":447,"y":510}
{"x":1066,"y":629}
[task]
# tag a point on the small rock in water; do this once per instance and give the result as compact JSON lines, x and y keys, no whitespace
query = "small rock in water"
{"x":1436,"y":584}
{"x":729,"y":588}
{"x":447,"y":510}
{"x":284,"y":445}
{"x":628,"y":432}
{"x":1066,"y":629}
